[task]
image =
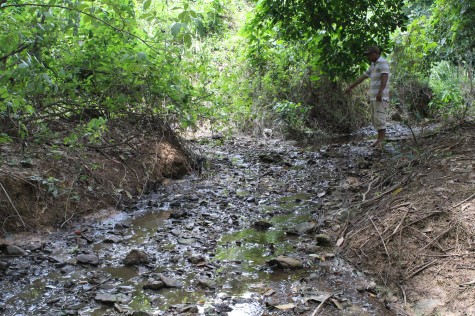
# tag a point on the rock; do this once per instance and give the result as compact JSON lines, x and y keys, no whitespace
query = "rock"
{"x":154,"y":285}
{"x":108,"y":298}
{"x":186,"y":241}
{"x":261,"y":225}
{"x":112,"y":239}
{"x":88,"y":259}
{"x":136,"y":257}
{"x":323,"y":240}
{"x":3,"y":265}
{"x":285,"y":263}
{"x":179,"y":214}
{"x":15,"y":251}
{"x":141,"y":313}
{"x":195,"y":259}
{"x":169,"y":282}
{"x":185,"y":309}
{"x":206,"y":282}
{"x":270,"y":158}
{"x":302,"y":229}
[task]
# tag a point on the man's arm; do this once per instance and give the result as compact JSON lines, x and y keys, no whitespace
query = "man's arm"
{"x":357,"y":82}
{"x":384,"y":81}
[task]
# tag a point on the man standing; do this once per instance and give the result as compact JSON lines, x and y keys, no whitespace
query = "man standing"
{"x":378,"y":73}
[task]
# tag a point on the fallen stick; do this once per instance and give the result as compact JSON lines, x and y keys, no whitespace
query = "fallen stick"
{"x":13,"y":205}
{"x":382,"y":239}
{"x":323,"y":301}
{"x":467,"y":199}
{"x":422,"y":268}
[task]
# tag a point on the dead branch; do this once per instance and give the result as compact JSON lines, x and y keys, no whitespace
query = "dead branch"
{"x":440,"y":235}
{"x":466,"y":200}
{"x":419,"y":269}
{"x":13,"y":205}
{"x":323,"y":301}
{"x":400,"y":223}
{"x":382,"y":239}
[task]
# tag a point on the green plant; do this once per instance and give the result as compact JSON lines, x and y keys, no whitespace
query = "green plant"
{"x":51,"y":184}
{"x":451,"y":95}
{"x":292,"y":114}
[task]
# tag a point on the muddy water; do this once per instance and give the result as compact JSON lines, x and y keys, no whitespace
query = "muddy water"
{"x":203,"y":233}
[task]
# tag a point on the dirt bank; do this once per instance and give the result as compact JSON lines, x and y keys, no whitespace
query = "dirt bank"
{"x":411,"y":223}
{"x":52,"y":185}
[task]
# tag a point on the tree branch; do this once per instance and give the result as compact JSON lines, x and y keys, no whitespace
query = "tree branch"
{"x":19,"y":49}
{"x":81,"y":12}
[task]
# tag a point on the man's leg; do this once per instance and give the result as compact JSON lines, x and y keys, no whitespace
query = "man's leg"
{"x":379,"y":121}
{"x":380,"y":139}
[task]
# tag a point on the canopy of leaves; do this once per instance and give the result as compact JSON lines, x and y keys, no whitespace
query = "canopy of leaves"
{"x":336,"y":30}
{"x":453,"y":29}
{"x":87,"y":59}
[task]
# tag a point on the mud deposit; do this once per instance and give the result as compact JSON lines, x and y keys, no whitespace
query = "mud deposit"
{"x":254,"y":234}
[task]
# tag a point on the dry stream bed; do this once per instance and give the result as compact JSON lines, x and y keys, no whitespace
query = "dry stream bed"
{"x":255,"y":234}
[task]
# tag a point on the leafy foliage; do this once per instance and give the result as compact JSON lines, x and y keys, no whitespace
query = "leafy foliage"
{"x":90,"y":59}
{"x":453,"y":29}
{"x":436,"y":53}
{"x":335,"y":32}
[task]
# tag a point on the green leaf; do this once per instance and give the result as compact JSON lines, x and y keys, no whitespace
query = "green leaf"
{"x":146,"y":4}
{"x":4,"y":138}
{"x":187,"y":40}
{"x":175,"y":30}
{"x":23,"y":65}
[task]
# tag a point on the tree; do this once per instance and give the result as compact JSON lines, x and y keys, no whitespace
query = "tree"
{"x":336,"y":31}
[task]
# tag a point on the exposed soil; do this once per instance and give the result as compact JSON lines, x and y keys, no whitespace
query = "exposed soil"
{"x":52,"y":185}
{"x":414,"y":226}
{"x":403,"y":215}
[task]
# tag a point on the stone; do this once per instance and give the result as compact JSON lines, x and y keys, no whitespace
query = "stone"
{"x":302,"y":229}
{"x":170,"y":282}
{"x":112,"y":240}
{"x":108,"y":298}
{"x":136,"y":257}
{"x":195,"y":259}
{"x":88,"y":259}
{"x":154,"y":285}
{"x":323,"y":240}
{"x":15,"y":251}
{"x":261,"y":225}
{"x":206,"y":282}
{"x":285,"y":263}
{"x":3,"y":265}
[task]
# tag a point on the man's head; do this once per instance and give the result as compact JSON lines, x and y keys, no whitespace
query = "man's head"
{"x":372,"y":53}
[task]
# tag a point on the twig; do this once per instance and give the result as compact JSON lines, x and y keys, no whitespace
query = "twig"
{"x":449,"y":255}
{"x":400,"y":223}
{"x":394,"y":187}
{"x":382,"y":239}
{"x":403,"y":294}
{"x":422,"y":268}
{"x":467,"y":199}
{"x":423,"y":218}
{"x":369,"y":188}
{"x":322,"y":302}
{"x":13,"y":205}
{"x":468,"y":283}
{"x":437,"y":237}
